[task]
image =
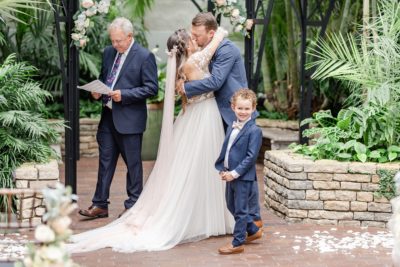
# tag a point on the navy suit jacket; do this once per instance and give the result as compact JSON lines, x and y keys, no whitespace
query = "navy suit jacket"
{"x":244,"y":151}
{"x":227,"y":76}
{"x":137,"y":81}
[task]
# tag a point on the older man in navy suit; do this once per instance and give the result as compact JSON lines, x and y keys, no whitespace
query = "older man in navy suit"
{"x":131,"y":72}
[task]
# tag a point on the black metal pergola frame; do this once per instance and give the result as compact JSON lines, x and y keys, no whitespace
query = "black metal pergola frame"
{"x":255,"y":9}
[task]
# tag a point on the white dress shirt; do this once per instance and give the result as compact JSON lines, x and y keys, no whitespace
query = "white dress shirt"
{"x":121,"y":63}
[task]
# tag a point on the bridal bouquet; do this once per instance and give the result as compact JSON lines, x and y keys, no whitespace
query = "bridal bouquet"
{"x":52,"y":235}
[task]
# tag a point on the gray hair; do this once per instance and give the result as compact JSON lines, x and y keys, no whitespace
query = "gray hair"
{"x":121,"y":23}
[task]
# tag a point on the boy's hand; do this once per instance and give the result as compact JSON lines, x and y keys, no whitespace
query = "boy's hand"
{"x":222,"y":175}
{"x":228,"y":177}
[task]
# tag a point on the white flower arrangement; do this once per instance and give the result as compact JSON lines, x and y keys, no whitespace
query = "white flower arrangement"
{"x":88,"y":8}
{"x":228,"y":9}
{"x":52,"y":235}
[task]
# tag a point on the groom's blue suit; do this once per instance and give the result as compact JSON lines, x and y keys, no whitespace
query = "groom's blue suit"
{"x":121,"y":129}
{"x":227,"y":76}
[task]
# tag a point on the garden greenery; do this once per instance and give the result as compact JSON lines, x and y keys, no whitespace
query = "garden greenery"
{"x":25,"y":136}
{"x":369,"y":128}
{"x":387,"y":186}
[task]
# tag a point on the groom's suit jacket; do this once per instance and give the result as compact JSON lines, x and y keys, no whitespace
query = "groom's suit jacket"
{"x":227,"y":76}
{"x":137,"y":81}
{"x":243,"y":152}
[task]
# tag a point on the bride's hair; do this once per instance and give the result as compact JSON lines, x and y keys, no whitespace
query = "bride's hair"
{"x":180,"y":39}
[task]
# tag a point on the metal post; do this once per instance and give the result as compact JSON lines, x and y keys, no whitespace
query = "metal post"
{"x":249,"y":45}
{"x":71,"y":102}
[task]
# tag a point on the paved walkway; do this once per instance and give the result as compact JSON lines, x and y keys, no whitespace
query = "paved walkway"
{"x":283,"y":244}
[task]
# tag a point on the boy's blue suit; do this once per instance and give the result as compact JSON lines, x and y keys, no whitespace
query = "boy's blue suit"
{"x":121,"y":129}
{"x":242,"y":158}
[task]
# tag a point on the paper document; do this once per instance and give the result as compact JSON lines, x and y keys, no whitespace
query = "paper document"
{"x":96,"y":86}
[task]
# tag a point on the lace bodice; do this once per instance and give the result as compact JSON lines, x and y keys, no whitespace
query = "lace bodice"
{"x":200,"y":61}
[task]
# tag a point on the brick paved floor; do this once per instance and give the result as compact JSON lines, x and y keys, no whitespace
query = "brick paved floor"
{"x":282,"y":245}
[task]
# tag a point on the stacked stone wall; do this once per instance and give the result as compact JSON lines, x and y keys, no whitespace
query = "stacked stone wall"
{"x":88,"y":146}
{"x":325,"y":191}
{"x":34,"y":176}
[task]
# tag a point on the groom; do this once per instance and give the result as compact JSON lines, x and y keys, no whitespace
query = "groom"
{"x":227,"y":76}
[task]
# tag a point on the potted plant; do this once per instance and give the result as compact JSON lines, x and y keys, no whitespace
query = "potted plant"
{"x":151,"y":136}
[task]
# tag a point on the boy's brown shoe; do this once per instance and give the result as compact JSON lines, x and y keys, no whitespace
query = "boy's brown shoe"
{"x":259,"y":224}
{"x":255,"y":236}
{"x":229,"y":249}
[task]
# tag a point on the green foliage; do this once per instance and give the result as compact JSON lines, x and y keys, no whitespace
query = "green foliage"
{"x":387,"y":187}
{"x":369,"y":129}
{"x":274,"y":115}
{"x":24,"y":134}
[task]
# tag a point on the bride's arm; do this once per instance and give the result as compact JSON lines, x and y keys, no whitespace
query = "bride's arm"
{"x":203,"y":57}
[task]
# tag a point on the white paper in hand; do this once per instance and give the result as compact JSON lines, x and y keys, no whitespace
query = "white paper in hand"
{"x":97,"y":87}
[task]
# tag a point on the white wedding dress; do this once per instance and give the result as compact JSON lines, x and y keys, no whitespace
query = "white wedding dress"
{"x":184,"y":197}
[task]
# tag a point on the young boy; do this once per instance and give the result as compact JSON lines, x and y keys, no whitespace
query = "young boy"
{"x":237,"y":166}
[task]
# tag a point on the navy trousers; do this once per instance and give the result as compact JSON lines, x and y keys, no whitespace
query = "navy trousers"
{"x":237,"y":196}
{"x":111,"y":145}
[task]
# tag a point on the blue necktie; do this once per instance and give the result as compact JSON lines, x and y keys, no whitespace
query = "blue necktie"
{"x":111,"y":77}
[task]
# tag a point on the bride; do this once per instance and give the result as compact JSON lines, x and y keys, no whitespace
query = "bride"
{"x":183,"y":199}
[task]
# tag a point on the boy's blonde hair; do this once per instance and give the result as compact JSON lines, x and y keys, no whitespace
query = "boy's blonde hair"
{"x":245,"y":93}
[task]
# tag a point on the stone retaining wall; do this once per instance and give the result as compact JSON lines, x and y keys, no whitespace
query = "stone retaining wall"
{"x":88,"y":146}
{"x":35,"y":176}
{"x":325,"y":191}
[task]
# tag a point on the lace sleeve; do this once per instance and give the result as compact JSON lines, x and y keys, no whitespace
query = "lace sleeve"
{"x":202,"y":58}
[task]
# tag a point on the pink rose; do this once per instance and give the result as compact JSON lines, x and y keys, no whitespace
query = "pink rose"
{"x":82,"y":42}
{"x":235,"y":13}
{"x":249,"y":24}
{"x":220,"y":2}
{"x":87,"y":3}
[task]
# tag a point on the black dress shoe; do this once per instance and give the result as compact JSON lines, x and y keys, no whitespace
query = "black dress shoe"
{"x":94,"y":212}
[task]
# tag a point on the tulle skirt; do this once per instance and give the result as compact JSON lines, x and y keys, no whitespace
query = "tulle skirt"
{"x":183,"y":199}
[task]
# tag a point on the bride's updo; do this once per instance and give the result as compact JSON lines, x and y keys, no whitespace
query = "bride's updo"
{"x":179,"y":39}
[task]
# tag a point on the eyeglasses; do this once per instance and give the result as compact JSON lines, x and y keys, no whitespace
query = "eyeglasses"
{"x":120,"y":41}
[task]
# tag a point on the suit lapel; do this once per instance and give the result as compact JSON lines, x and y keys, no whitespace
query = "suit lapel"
{"x":128,"y":59}
{"x":242,"y":132}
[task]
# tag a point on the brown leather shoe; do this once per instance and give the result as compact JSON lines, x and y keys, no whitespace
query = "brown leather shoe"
{"x":259,"y":224}
{"x":122,"y":213}
{"x":94,"y":212}
{"x":229,"y":249}
{"x":255,"y":236}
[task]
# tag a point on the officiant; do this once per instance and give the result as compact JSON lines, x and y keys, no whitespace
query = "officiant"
{"x":130,"y":71}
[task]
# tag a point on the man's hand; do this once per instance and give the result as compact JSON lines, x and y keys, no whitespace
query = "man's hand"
{"x":115,"y":95}
{"x":96,"y":95}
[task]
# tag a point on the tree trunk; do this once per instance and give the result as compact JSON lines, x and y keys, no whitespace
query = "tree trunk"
{"x":281,"y":92}
{"x":344,"y":20}
{"x":365,"y":19}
